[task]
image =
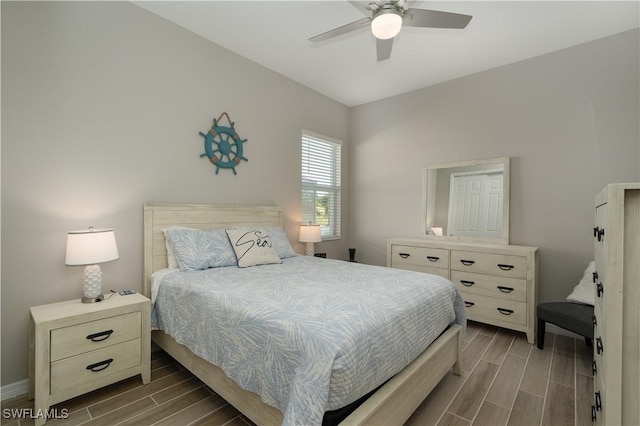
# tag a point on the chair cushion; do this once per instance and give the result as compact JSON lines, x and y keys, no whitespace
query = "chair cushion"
{"x":574,"y":317}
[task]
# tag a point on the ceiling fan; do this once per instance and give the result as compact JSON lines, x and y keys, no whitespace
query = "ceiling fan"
{"x":387,"y":17}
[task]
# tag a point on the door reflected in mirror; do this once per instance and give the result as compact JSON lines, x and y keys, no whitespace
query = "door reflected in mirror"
{"x":467,"y":201}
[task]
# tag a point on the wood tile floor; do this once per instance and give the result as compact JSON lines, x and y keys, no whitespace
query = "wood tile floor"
{"x":505,"y":381}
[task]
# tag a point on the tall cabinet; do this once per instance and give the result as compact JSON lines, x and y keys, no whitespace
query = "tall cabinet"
{"x":616,"y":320}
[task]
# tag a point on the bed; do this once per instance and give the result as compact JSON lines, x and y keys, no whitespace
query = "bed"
{"x":391,"y":403}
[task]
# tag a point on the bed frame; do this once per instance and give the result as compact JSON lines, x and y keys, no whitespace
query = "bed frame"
{"x":393,"y":403}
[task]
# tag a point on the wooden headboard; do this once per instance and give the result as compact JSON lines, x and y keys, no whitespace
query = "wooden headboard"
{"x":201,"y":216}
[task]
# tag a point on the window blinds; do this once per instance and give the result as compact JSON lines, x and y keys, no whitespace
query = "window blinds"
{"x":321,"y":186}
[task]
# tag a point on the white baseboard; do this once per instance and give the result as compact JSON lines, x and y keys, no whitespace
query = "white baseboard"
{"x":14,"y":389}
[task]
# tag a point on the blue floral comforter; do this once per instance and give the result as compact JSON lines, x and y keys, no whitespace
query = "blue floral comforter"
{"x":308,"y":335}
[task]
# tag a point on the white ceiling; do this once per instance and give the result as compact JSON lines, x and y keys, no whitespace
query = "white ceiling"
{"x":275,"y":34}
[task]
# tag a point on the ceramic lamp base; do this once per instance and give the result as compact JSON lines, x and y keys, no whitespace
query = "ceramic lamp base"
{"x":310,"y":249}
{"x":92,"y":284}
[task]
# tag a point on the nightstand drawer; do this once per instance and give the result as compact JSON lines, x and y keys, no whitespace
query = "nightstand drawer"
{"x":479,"y":307}
{"x":406,"y":257}
{"x":504,"y":265}
{"x":82,"y":369}
{"x":492,"y":286}
{"x":89,"y":336}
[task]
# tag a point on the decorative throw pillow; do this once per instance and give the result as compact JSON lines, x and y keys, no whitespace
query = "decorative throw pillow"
{"x":199,"y":249}
{"x":252,"y":247}
{"x":279,"y":239}
{"x":584,"y":291}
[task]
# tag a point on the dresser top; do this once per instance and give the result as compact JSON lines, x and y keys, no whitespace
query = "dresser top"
{"x":460,"y":245}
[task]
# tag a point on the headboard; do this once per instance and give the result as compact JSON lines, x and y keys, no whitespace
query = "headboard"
{"x":201,"y":216}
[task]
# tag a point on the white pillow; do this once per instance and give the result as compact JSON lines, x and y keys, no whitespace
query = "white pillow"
{"x":584,"y":291}
{"x":252,"y":247}
{"x":279,"y":240}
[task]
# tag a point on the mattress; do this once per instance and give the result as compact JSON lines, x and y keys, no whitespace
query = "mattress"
{"x":308,"y":335}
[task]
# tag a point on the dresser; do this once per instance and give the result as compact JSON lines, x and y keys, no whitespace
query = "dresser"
{"x":616,"y":353}
{"x":77,"y":347}
{"x":497,"y":281}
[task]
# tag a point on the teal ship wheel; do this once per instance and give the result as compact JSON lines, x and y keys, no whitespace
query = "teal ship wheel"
{"x":223,"y":146}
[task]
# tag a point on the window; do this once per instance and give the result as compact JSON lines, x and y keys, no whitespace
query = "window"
{"x":321,"y":183}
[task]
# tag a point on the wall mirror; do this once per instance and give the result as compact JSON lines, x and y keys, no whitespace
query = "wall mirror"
{"x":467,"y":201}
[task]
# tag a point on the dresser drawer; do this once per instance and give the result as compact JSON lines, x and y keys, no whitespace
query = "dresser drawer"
{"x":508,"y":311}
{"x":92,"y":335}
{"x":408,"y":257}
{"x":87,"y":367}
{"x":599,"y":325}
{"x":598,"y":407}
{"x":435,"y":271}
{"x":491,"y":286}
{"x":489,"y":263}
{"x":599,"y":321}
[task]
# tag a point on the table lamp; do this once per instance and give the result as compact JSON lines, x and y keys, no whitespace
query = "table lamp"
{"x":310,"y":234}
{"x":89,"y":248}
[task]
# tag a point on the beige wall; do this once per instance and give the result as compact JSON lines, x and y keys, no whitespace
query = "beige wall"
{"x":102,"y":104}
{"x":568,"y":120}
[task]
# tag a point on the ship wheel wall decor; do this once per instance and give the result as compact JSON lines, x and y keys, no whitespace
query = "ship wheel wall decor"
{"x":223,"y":145}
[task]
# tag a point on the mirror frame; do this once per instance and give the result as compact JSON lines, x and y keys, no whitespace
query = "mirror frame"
{"x":504,"y":162}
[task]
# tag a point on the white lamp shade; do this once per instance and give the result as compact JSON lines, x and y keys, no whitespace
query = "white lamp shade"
{"x":386,"y":24}
{"x":310,"y":234}
{"x":90,"y":247}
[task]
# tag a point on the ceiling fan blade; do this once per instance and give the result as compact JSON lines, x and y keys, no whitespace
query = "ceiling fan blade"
{"x":383,"y":48}
{"x":435,"y":19}
{"x":361,"y":7}
{"x":341,"y":30}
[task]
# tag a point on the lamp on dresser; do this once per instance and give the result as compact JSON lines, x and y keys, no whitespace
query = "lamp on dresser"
{"x":310,"y":234}
{"x":88,"y":248}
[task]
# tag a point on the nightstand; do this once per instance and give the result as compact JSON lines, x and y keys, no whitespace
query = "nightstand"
{"x":77,"y":347}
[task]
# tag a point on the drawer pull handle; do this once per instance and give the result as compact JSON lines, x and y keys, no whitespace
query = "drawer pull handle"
{"x":468,"y":304}
{"x":593,"y":413}
{"x":99,"y":337}
{"x":505,"y":267}
{"x":599,"y":345}
{"x":467,"y":283}
{"x":595,"y":276}
{"x":598,"y":401}
{"x":433,"y":258}
{"x":594,"y":367}
{"x":404,"y":255}
{"x":595,"y":321}
{"x":504,"y":311}
{"x":505,"y":289}
{"x":467,"y":262}
{"x":600,"y":289}
{"x":99,"y":366}
{"x":598,"y":232}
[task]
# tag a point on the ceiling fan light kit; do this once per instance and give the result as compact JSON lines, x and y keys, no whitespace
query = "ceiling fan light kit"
{"x":386,"y":24}
{"x":386,"y":20}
